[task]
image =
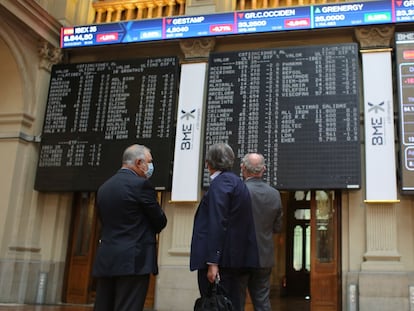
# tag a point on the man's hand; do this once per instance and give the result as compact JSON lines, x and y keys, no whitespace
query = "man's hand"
{"x":213,"y":273}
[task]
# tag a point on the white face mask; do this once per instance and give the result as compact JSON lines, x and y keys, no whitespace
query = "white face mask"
{"x":150,"y":170}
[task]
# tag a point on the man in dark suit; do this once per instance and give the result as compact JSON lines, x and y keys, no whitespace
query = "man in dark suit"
{"x":267,"y":215}
{"x":131,"y":217}
{"x":223,"y":240}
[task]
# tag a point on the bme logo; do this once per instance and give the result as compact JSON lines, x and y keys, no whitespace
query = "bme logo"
{"x":377,"y":124}
{"x":188,"y":115}
{"x":376,"y":108}
{"x":187,"y":130}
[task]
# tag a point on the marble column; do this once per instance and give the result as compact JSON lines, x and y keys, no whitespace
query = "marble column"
{"x":381,"y":219}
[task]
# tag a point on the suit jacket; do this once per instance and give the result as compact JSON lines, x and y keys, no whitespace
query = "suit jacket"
{"x":223,"y":231}
{"x":131,"y":217}
{"x":267,"y":215}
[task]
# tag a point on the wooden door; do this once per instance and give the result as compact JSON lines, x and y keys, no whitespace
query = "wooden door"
{"x":298,"y":245}
{"x":80,"y":286}
{"x":81,"y":250}
{"x":325,"y":248}
{"x":313,"y":259}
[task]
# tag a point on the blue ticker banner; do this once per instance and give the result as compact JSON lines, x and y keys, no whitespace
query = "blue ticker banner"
{"x":352,"y":14}
{"x":404,"y":11}
{"x":343,"y":14}
{"x":112,"y":33}
{"x":198,"y":26}
{"x":273,"y":20}
{"x":150,"y":30}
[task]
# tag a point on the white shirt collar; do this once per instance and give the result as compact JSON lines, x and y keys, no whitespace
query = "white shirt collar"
{"x":214,"y":175}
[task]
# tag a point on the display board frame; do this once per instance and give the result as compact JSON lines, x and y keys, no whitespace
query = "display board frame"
{"x":404,"y":47}
{"x":97,"y":109}
{"x":298,"y":106}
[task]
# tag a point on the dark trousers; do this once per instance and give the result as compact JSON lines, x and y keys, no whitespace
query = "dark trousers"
{"x":229,"y":280}
{"x":123,"y":293}
{"x":258,"y":282}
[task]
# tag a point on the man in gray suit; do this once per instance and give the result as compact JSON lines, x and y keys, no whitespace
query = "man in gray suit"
{"x":267,"y":215}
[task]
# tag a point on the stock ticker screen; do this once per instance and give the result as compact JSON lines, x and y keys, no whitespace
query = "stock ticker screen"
{"x":95,"y":110}
{"x":297,"y":106}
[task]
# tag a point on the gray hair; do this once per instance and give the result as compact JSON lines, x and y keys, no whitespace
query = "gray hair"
{"x":256,"y":167}
{"x":133,"y":153}
{"x":220,"y":157}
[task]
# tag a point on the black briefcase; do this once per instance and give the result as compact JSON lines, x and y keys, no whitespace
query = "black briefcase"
{"x":215,"y":300}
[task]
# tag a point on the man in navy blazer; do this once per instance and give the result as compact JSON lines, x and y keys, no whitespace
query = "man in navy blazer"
{"x":267,"y":215}
{"x":131,"y":217}
{"x":223,"y":241}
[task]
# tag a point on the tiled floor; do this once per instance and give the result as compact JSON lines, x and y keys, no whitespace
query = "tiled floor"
{"x":285,"y":304}
{"x":290,"y":304}
{"x":63,"y":307}
{"x":278,"y":304}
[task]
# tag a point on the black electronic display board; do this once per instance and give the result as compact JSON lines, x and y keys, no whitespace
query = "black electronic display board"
{"x":95,"y":110}
{"x":405,"y":72}
{"x":297,"y":106}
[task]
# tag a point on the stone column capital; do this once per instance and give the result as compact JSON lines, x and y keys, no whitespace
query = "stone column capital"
{"x":49,"y":55}
{"x":374,"y":37}
{"x":197,"y":48}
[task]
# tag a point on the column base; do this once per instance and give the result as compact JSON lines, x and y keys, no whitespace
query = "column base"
{"x":382,"y":266}
{"x":382,"y":261}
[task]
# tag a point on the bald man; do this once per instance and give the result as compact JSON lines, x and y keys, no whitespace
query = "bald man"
{"x":267,"y":215}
